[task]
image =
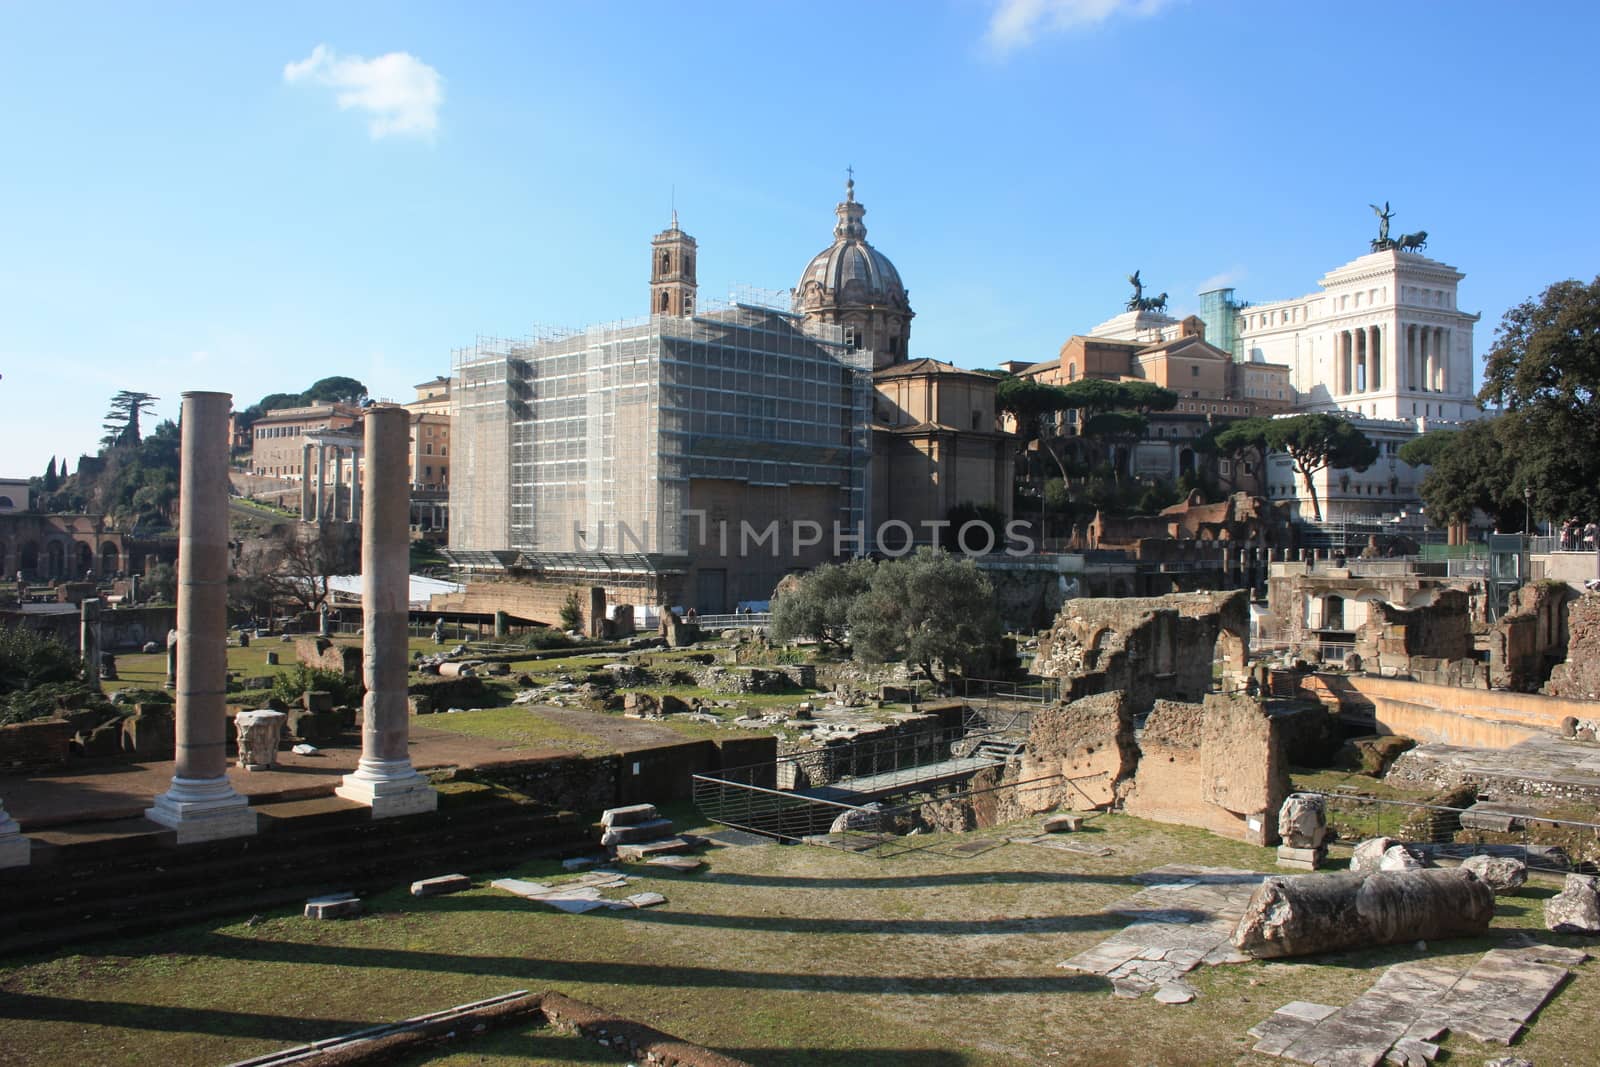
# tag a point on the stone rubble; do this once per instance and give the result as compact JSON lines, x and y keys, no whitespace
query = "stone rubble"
{"x":1503,"y":874}
{"x":444,"y":883}
{"x":582,"y":894}
{"x":333,"y":906}
{"x":1576,"y":909}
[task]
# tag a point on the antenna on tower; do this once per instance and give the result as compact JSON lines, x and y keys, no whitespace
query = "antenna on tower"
{"x":674,"y":195}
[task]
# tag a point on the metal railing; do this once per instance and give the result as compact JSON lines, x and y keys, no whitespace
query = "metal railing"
{"x":1442,"y":832}
{"x":739,"y":621}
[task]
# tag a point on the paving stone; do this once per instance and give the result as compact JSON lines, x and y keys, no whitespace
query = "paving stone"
{"x":445,"y":883}
{"x":681,"y":864}
{"x":1174,"y":993}
{"x":646,"y":900}
{"x":1410,"y":1006}
{"x":1183,"y":920}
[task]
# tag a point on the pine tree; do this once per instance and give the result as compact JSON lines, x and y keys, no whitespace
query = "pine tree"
{"x":51,"y":482}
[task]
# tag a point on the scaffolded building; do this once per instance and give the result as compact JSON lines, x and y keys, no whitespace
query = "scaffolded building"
{"x":663,"y":454}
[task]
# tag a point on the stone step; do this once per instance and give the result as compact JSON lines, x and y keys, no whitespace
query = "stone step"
{"x":632,"y":832}
{"x":135,"y":894}
{"x":632,"y":815}
{"x":638,"y":853}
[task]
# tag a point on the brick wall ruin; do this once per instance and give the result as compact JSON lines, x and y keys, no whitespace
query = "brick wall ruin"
{"x":1579,"y":676}
{"x":1152,"y":648}
{"x":1221,"y":765}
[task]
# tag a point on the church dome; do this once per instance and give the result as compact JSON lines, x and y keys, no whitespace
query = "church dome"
{"x":850,"y":272}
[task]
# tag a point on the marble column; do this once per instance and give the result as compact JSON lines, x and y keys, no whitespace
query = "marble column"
{"x":338,"y":479}
{"x":1444,"y":359}
{"x":322,"y":483}
{"x":89,"y":641}
{"x":1374,"y":358}
{"x":384,"y":779}
{"x":201,"y":804}
{"x":305,"y":482}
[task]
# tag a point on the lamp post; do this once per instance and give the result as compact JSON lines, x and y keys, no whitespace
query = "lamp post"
{"x":1527,"y":505}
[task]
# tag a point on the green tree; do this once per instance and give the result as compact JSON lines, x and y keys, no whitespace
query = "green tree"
{"x":51,"y":481}
{"x":1316,"y":441}
{"x":122,"y":418}
{"x":1544,"y":369}
{"x":1111,"y":428}
{"x":1036,"y":408}
{"x":818,"y":606}
{"x":1468,"y":469}
{"x":572,"y":611}
{"x":1145,"y":397}
{"x":930,"y":609}
{"x":1425,"y":451}
{"x":337,"y":389}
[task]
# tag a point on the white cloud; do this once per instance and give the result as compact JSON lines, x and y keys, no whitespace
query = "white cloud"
{"x":1018,"y":23}
{"x":1225,"y":280}
{"x":399,"y":92}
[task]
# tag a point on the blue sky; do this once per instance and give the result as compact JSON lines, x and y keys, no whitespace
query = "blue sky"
{"x":185,"y":204}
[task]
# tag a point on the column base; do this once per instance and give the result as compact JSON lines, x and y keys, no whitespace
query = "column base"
{"x":389,"y":788}
{"x":203,"y":809}
{"x":15,"y":850}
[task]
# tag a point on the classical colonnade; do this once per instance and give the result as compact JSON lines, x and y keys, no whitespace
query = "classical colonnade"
{"x":1363,"y":362}
{"x":201,"y":803}
{"x":319,"y":498}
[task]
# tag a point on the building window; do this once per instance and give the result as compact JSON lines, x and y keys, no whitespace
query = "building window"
{"x":1194,"y":370}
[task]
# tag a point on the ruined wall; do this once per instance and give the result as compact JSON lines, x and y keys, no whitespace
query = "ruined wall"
{"x":1243,"y":768}
{"x":1220,"y":766}
{"x":1447,"y":714}
{"x":1089,"y":739}
{"x":539,"y":599}
{"x":1151,"y":648}
{"x":319,"y":653}
{"x":1392,"y":637}
{"x":1579,"y":676}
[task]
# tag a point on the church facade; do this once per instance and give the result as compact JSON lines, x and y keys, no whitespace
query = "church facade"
{"x":697,"y":456}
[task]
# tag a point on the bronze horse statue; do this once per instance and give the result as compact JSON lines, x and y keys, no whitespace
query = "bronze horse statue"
{"x":1413,"y":242}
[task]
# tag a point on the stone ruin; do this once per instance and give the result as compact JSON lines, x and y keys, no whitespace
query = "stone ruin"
{"x":1432,"y":642}
{"x":1219,"y":765}
{"x":1151,"y":648}
{"x":1578,"y":675}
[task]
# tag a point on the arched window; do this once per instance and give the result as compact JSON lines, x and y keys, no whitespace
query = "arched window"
{"x":6,"y":502}
{"x":666,"y":262}
{"x":663,"y":300}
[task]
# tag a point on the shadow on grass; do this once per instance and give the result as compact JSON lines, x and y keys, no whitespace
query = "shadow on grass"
{"x":921,"y":881}
{"x":533,"y":971}
{"x":223,"y":1023}
{"x":787,"y":924}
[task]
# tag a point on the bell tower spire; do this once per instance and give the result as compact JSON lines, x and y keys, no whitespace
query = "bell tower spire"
{"x":672,"y":278}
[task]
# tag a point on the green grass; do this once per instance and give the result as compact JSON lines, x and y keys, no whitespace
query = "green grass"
{"x":520,"y":726}
{"x":777,"y":955}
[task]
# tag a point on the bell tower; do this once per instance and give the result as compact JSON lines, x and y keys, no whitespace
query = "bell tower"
{"x":672,"y":284}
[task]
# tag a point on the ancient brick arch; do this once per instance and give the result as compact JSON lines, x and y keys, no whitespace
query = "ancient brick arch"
{"x":110,"y":559}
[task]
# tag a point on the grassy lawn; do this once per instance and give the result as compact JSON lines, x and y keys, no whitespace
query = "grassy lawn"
{"x":780,"y":955}
{"x":519,"y":725}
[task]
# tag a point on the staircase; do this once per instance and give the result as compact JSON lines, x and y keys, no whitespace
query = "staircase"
{"x":92,"y":882}
{"x":999,"y":749}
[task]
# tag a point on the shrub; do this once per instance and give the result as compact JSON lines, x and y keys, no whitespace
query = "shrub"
{"x":544,"y":637}
{"x":289,"y":685}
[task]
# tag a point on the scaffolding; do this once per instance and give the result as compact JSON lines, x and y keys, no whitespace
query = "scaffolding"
{"x":587,"y":441}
